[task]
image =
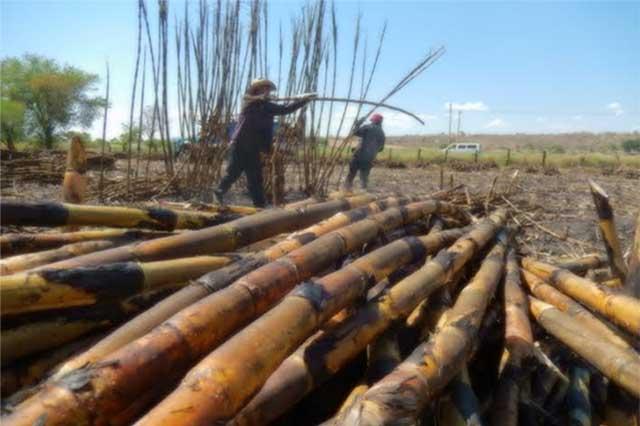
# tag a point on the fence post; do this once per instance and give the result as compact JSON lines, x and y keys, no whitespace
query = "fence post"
{"x":419,"y":156}
{"x":475,"y":157}
{"x":446,"y":154}
{"x":544,"y":158}
{"x":508,"y":156}
{"x":390,"y":151}
{"x":441,"y":177}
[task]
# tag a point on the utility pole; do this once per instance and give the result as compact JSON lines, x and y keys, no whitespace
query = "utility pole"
{"x":450,"y":118}
{"x":459,"y":119}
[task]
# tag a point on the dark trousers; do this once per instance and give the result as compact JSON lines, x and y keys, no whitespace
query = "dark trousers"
{"x":249,"y":163}
{"x":363,"y":167}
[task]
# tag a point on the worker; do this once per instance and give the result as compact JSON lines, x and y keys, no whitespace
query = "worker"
{"x":253,"y":135}
{"x":371,"y":142}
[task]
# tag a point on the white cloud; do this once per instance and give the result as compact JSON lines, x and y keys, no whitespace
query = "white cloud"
{"x":497,"y":123}
{"x":467,"y":106}
{"x":616,"y":108}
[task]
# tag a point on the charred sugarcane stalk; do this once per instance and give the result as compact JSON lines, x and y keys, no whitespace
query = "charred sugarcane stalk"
{"x":621,"y":366}
{"x":318,"y":359}
{"x":518,"y":343}
{"x":608,"y":231}
{"x":13,"y":244}
{"x":222,"y":278}
{"x":622,"y":309}
{"x":179,"y":342}
{"x":33,"y":333}
{"x":74,"y":185}
{"x":226,"y":237}
{"x":401,"y":395}
{"x":62,"y":288}
{"x":633,"y":279}
{"x":297,"y":316}
{"x":621,"y":408}
{"x":582,"y":265}
{"x":58,"y":214}
{"x":462,"y":407}
{"x":24,"y":262}
{"x":578,"y":397}
{"x":551,"y":295}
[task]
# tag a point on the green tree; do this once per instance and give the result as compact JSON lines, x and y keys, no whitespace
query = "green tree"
{"x":631,"y":145}
{"x":55,"y":97}
{"x":11,"y":121}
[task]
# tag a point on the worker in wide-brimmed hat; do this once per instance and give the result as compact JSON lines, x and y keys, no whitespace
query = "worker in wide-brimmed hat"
{"x":371,"y":142}
{"x":253,"y":135}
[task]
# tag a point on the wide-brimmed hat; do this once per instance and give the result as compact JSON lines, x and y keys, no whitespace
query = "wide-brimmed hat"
{"x":260,"y":83}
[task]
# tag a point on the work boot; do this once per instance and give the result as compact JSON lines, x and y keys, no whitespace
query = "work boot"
{"x":219,"y":196}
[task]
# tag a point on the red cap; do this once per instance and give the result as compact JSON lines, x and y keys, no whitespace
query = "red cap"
{"x":376,"y":118}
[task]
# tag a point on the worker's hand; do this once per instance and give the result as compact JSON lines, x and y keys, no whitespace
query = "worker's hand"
{"x":359,"y":122}
{"x":310,"y":96}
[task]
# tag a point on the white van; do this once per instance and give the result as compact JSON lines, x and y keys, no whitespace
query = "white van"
{"x":463,"y":147}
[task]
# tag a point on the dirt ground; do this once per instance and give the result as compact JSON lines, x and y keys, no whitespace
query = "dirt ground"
{"x":560,"y":203}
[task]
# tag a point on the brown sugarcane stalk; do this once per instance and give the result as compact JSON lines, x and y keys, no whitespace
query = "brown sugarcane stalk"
{"x":633,"y":278}
{"x":62,"y":288}
{"x":297,"y":317}
{"x":622,"y":309}
{"x":222,"y":278}
{"x":462,"y":407}
{"x":179,"y":342}
{"x":517,"y":346}
{"x":13,"y":244}
{"x":318,"y":359}
{"x":607,"y":227}
{"x":582,"y":265}
{"x":29,"y":334}
{"x":578,"y":397}
{"x":617,"y":364}
{"x":551,"y":295}
{"x":60,"y":214}
{"x":74,"y":185}
{"x":221,"y":238}
{"x":24,"y":262}
{"x":401,"y":395}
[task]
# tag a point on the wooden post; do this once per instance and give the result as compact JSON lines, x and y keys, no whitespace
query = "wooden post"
{"x":544,"y":158}
{"x":419,"y":156}
{"x":446,"y":154}
{"x":451,"y":180}
{"x":508,"y":156}
{"x":390,"y":151}
{"x":475,"y":157}
{"x":441,"y":177}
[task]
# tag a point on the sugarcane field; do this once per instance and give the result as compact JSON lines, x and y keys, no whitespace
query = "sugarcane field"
{"x":312,"y":212}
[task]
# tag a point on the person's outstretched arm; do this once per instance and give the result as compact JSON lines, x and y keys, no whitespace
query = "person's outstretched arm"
{"x":277,"y":109}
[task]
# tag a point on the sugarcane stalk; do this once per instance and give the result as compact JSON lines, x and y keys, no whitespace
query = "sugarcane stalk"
{"x":551,"y":295}
{"x":462,"y":407}
{"x":401,"y":395}
{"x":33,"y":333}
{"x":608,"y":232}
{"x":623,"y":367}
{"x":13,"y":244}
{"x":518,"y":344}
{"x":297,"y":316}
{"x":633,"y":278}
{"x":315,"y":361}
{"x":222,"y":278}
{"x":584,"y":264}
{"x":179,"y":342}
{"x":24,"y":262}
{"x":621,"y":408}
{"x":226,"y":237}
{"x":60,"y":214}
{"x":74,"y":184}
{"x":622,"y":309}
{"x":578,"y":397}
{"x":62,"y":288}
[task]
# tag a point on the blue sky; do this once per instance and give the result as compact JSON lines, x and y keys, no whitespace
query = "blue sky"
{"x":532,"y":67}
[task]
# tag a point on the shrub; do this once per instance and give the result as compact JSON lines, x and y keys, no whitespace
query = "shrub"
{"x":631,"y":145}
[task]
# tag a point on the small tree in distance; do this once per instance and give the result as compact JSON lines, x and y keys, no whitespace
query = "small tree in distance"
{"x":11,"y":122}
{"x":55,"y":97}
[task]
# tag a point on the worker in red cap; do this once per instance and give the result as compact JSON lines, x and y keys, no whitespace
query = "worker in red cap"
{"x":252,"y":136}
{"x":371,"y":142}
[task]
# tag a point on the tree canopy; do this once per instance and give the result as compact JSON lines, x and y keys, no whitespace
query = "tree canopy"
{"x":11,"y":121}
{"x":55,"y":97}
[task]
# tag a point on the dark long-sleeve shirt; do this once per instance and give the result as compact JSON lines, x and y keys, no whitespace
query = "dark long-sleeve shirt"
{"x":254,"y":132}
{"x":371,"y":142}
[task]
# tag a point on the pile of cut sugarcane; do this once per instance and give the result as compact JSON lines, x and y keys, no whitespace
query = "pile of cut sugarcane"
{"x":359,"y":309}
